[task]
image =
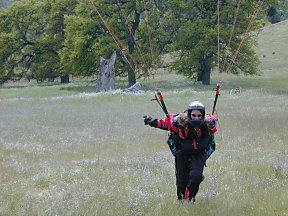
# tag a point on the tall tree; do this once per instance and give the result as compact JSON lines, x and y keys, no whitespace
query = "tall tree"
{"x":21,"y":28}
{"x":100,"y":27}
{"x":31,"y":37}
{"x":195,"y":46}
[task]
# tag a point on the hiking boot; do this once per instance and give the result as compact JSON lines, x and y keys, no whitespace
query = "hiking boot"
{"x":192,"y":200}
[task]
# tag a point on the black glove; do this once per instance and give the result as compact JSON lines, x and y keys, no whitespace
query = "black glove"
{"x":148,"y":120}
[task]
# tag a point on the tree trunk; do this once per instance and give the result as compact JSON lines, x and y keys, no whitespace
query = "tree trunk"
{"x":64,"y":79}
{"x":131,"y":42}
{"x":106,"y":76}
{"x":131,"y":77}
{"x":131,"y":72}
{"x":200,"y":76}
{"x":205,"y":71}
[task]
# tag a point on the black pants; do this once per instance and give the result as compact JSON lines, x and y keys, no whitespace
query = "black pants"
{"x":189,"y":174}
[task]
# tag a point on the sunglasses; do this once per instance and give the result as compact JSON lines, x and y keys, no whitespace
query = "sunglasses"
{"x":198,"y":116}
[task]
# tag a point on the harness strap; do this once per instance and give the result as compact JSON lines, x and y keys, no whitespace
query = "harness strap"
{"x":199,"y":134}
{"x":198,"y":130}
{"x":194,"y":144}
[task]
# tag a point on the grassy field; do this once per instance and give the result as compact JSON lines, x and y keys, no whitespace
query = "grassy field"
{"x":65,"y":150}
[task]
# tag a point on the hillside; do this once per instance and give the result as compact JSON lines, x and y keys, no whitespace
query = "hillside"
{"x":272,"y":52}
{"x":272,"y":48}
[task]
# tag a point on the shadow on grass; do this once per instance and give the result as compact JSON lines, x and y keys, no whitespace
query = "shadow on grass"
{"x":164,"y":85}
{"x":81,"y":89}
{"x":20,"y":85}
{"x":89,"y":86}
{"x":177,"y":85}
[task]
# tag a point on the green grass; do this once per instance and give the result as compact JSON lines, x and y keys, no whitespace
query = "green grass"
{"x":65,"y":150}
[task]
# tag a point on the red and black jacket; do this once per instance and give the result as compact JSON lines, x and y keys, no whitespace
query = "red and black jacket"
{"x":190,"y":139}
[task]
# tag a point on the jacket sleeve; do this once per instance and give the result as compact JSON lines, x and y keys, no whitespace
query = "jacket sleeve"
{"x":165,"y":123}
